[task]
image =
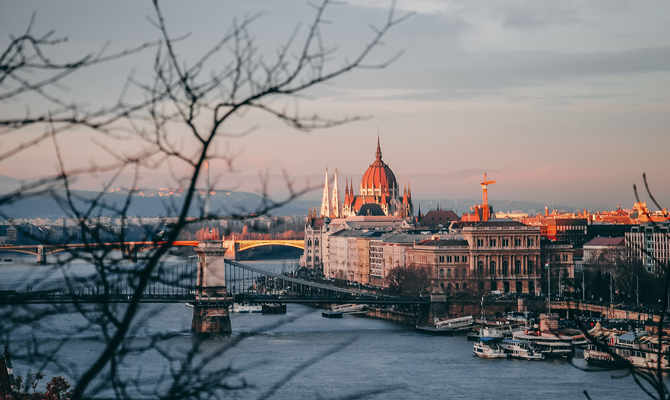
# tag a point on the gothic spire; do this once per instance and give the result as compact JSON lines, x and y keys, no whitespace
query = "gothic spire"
{"x":336,"y":206}
{"x":325,"y":201}
{"x":378,"y":155}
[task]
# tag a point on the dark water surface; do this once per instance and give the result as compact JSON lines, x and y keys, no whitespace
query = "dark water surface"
{"x":312,"y":356}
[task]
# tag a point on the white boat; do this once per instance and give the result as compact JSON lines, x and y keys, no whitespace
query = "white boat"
{"x":247,"y":308}
{"x":548,"y":344}
{"x":520,"y":349}
{"x":487,"y":347}
{"x":446,"y":327}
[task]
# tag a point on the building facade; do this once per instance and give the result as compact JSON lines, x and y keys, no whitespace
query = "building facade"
{"x":649,"y":243}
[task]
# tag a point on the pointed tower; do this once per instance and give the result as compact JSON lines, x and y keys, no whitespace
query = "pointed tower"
{"x":409,"y":199}
{"x":325,"y":201}
{"x":335,"y":205}
{"x":347,"y":199}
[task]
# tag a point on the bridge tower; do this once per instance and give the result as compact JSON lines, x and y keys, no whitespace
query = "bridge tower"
{"x":210,"y":311}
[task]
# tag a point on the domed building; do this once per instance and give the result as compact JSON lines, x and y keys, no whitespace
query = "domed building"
{"x":378,"y":186}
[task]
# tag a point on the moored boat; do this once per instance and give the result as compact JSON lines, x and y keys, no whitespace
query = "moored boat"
{"x":247,"y":308}
{"x":548,"y":344}
{"x":487,"y":347}
{"x":599,"y":358}
{"x":331,"y":314}
{"x":520,"y":349}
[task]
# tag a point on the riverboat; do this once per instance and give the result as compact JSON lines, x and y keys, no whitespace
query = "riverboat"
{"x":487,"y":347}
{"x":548,"y":344}
{"x":599,"y":358}
{"x":446,"y":327}
{"x":247,"y":308}
{"x":521,"y":350}
{"x":331,"y":314}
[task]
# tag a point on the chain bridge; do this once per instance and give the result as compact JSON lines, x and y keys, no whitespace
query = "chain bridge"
{"x":210,"y":283}
{"x":130,"y":248}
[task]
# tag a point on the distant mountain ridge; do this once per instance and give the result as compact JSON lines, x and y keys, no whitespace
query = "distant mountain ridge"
{"x":152,"y":204}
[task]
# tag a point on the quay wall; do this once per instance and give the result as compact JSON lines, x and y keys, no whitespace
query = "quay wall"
{"x":395,"y":316}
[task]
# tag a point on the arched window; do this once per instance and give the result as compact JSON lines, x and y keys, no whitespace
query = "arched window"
{"x":494,"y":286}
{"x":492,"y":269}
{"x":505,"y":268}
{"x":480,"y":267}
{"x":441,"y":272}
{"x":456,"y":273}
{"x":531,"y":268}
{"x":465,"y":286}
{"x":517,"y":267}
{"x":457,"y":286}
{"x":465,"y":273}
{"x":316,"y":242}
{"x":449,"y":273}
{"x":309,"y":242}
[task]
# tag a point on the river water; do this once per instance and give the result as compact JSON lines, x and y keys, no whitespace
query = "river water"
{"x":297,"y":355}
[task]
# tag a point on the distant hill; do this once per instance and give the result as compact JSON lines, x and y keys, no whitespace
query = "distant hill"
{"x":225,"y":203}
{"x":154,"y":202}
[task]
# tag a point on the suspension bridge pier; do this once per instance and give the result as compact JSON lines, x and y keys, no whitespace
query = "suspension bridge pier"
{"x":41,"y":257}
{"x":437,"y":308}
{"x":210,"y":311}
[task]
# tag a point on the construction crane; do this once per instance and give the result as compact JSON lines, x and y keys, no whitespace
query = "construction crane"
{"x":485,"y":205}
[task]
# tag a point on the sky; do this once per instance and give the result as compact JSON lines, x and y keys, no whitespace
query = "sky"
{"x":559,"y":102}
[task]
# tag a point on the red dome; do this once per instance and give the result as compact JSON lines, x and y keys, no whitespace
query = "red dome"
{"x":378,"y":176}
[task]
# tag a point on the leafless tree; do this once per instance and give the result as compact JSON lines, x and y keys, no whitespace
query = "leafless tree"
{"x":183,"y":110}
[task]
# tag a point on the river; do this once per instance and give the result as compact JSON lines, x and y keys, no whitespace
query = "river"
{"x":297,"y":355}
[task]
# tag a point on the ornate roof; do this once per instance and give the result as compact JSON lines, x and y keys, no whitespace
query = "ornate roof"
{"x":379,"y":175}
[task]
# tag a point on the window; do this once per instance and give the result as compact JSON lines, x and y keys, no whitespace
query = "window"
{"x":565,"y":257}
{"x":480,"y":242}
{"x":517,"y":267}
{"x":309,"y":242}
{"x":531,"y":242}
{"x":316,"y":242}
{"x":481,"y":286}
{"x":309,"y":258}
{"x":517,"y":242}
{"x":465,"y":273}
{"x":441,"y":258}
{"x":316,"y":258}
{"x":455,"y":258}
{"x":480,"y":268}
{"x":448,"y":259}
{"x":531,"y":268}
{"x":492,"y":268}
{"x":494,"y":286}
{"x":557,"y":258}
{"x":464,"y":258}
{"x":456,"y":273}
{"x":465,"y":286}
{"x":456,"y":286}
{"x":449,"y":273}
{"x":505,"y":267}
{"x":505,"y":242}
{"x":441,"y":272}
{"x":492,"y":242}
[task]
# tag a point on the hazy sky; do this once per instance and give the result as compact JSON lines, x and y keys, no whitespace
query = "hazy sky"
{"x":565,"y":102}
